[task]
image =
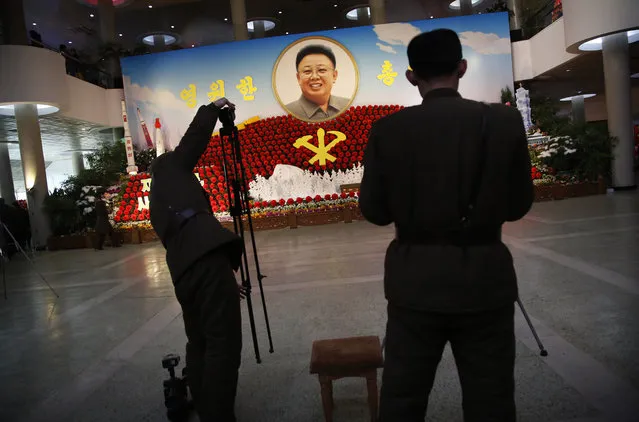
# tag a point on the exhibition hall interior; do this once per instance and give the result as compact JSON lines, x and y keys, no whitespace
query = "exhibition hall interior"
{"x":93,"y":91}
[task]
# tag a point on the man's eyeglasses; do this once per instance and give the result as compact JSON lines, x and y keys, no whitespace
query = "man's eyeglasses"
{"x":307,"y":72}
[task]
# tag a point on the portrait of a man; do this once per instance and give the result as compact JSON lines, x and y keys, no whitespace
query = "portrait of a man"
{"x":316,"y":73}
{"x":318,"y":64}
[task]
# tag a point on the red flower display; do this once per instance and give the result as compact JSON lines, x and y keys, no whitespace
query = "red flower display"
{"x":265,"y":144}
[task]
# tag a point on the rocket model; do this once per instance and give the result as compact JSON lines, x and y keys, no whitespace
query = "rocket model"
{"x":159,"y":138}
{"x":147,"y":136}
{"x":128,"y":142}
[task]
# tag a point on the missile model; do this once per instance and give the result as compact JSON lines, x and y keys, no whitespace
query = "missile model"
{"x":128,"y":142}
{"x":159,"y":138}
{"x":147,"y":135}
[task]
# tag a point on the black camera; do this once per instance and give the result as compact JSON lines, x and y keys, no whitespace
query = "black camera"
{"x":176,"y":395}
{"x":227,"y":117}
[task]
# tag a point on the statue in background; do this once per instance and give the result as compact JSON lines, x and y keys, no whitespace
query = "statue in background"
{"x":523,"y":105}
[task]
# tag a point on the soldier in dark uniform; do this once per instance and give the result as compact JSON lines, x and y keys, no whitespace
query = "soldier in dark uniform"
{"x":201,"y":256}
{"x":448,"y":276}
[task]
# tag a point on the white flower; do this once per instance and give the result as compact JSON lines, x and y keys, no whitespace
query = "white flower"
{"x":570,"y":151}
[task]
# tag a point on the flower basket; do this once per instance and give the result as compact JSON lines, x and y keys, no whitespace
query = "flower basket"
{"x":320,"y":217}
{"x":292,"y":220}
{"x":75,"y":241}
{"x":148,"y":235}
{"x":558,"y":191}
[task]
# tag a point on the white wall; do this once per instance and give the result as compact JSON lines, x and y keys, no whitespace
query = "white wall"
{"x":93,"y":104}
{"x":543,"y":52}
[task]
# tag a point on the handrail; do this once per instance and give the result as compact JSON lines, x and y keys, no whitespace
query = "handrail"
{"x":539,"y":20}
{"x":77,"y":68}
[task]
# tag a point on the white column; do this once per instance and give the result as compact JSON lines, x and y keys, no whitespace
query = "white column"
{"x":106,"y":14}
{"x":259,"y":29}
{"x":78,"y":162}
{"x":578,"y":110}
{"x":7,"y":190}
{"x":378,"y":11}
{"x":466,"y":7}
{"x":238,"y":16}
{"x":616,"y":58}
{"x":33,"y":167}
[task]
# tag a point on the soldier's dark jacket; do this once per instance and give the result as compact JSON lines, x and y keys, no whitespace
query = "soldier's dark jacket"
{"x":418,"y":167}
{"x":175,"y":189}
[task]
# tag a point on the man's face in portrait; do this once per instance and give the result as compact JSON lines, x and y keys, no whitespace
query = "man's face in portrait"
{"x":316,"y":76}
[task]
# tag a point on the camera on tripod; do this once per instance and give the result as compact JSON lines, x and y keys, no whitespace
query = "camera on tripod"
{"x":227,"y":117}
{"x":176,"y":392}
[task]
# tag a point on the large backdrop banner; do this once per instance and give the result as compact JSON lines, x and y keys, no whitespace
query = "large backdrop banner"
{"x":312,"y":78}
{"x":305,"y":105}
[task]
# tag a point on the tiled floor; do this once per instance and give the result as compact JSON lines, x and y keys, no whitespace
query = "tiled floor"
{"x":95,"y":353}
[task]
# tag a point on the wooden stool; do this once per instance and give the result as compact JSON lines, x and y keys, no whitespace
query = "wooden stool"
{"x":347,"y":357}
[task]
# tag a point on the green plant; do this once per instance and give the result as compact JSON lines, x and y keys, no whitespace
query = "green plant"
{"x":108,"y":163}
{"x":544,"y":115}
{"x":143,"y":159}
{"x":63,"y":213}
{"x":507,"y":96}
{"x":594,"y":146}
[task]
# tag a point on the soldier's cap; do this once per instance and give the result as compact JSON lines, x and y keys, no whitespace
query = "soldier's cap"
{"x":431,"y":51}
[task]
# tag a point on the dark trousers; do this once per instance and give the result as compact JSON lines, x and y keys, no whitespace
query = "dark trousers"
{"x":483,"y":345}
{"x":210,"y":301}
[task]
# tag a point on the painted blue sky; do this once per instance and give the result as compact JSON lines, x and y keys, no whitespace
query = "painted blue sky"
{"x":153,"y":82}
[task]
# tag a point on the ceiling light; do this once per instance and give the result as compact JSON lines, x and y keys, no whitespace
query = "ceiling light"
{"x":192,"y":45}
{"x":279,"y":12}
{"x":354,"y":13}
{"x":456,"y":5}
{"x":635,"y":76}
{"x":597,"y":43}
{"x":120,"y":34}
{"x":335,"y":5}
{"x":287,"y":34}
{"x":150,"y":6}
{"x":568,"y":70}
{"x":172,"y":26}
{"x":577,"y":96}
{"x":268,"y":24}
{"x":431,"y":16}
{"x":92,"y":15}
{"x":226,"y":19}
{"x":35,"y":24}
{"x":150,"y":39}
{"x":43,"y":109}
{"x":70,"y":42}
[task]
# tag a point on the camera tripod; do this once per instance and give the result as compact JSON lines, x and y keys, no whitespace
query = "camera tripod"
{"x":3,"y":227}
{"x":237,"y":190}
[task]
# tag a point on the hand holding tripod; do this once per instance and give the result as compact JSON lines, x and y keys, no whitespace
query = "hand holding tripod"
{"x":237,"y":190}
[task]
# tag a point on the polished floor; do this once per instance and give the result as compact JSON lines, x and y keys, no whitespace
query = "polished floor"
{"x":94,"y":354}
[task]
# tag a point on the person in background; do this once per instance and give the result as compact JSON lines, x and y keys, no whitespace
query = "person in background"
{"x":448,"y":173}
{"x":201,"y":255}
{"x":103,"y":227}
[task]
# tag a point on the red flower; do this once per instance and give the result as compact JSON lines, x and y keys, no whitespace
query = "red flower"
{"x":290,"y":201}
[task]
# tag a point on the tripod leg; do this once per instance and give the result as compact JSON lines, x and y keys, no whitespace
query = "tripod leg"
{"x":30,"y":261}
{"x":542,"y":349}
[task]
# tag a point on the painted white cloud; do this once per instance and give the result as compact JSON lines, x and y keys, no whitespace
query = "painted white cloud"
{"x":173,"y":113}
{"x":386,"y":48}
{"x":483,"y":43}
{"x":395,"y":34}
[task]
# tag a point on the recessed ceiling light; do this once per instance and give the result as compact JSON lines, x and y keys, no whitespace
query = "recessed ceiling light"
{"x":456,"y":5}
{"x":568,"y":70}
{"x":172,"y":26}
{"x":150,"y":6}
{"x":120,"y":34}
{"x":431,"y":16}
{"x":287,"y":34}
{"x":35,"y":24}
{"x":70,"y":42}
{"x":334,"y":27}
{"x":192,"y":45}
{"x":92,"y":15}
{"x":597,"y":43}
{"x":226,"y":19}
{"x":279,"y":12}
{"x":577,"y":96}
{"x":335,"y":5}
